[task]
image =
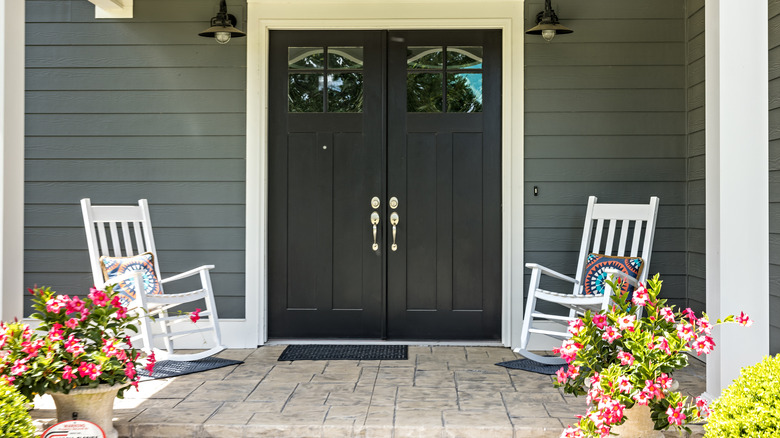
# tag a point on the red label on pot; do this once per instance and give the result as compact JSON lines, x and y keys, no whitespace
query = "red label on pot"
{"x":74,"y":429}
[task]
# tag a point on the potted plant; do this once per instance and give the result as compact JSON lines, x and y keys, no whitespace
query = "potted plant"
{"x":624,"y":364}
{"x":79,"y":353}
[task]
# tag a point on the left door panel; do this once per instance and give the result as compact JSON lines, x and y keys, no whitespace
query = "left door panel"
{"x":326,"y":162}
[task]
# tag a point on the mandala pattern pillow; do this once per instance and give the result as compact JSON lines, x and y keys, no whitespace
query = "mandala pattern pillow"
{"x":116,"y":266}
{"x":596,"y":272}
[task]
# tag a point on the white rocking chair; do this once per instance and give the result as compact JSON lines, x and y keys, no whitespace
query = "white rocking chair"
{"x":639,"y":217}
{"x":126,"y":231}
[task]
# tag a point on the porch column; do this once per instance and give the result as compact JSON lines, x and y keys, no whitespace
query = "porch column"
{"x":12,"y":158}
{"x":737,"y":184}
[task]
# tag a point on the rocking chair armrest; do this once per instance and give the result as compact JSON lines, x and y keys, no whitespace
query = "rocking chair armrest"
{"x":189,"y":273}
{"x":547,"y":271}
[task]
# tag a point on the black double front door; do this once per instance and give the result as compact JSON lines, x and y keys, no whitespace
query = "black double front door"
{"x":384,"y":203}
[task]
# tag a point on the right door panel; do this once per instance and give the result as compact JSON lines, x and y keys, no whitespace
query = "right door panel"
{"x":444,"y":166}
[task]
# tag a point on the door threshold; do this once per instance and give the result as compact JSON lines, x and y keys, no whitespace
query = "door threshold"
{"x":341,"y":341}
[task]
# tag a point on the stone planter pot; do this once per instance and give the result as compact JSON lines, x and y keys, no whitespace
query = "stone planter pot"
{"x":89,"y":404}
{"x":638,"y":424}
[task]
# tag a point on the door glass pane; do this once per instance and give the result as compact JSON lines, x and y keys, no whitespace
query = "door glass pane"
{"x":424,"y":92}
{"x":305,"y":93}
{"x":345,"y":57}
{"x":424,"y":57}
{"x":305,"y":57}
{"x":345,"y":93}
{"x":464,"y":93}
{"x":464,"y":57}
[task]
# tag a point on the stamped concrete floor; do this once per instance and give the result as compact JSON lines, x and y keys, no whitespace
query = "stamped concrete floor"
{"x":439,"y":391}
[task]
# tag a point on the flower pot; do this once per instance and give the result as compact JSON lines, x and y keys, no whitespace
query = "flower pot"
{"x":638,"y":424}
{"x":90,"y":404}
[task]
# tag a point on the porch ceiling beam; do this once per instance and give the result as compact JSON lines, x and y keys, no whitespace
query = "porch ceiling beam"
{"x":113,"y":8}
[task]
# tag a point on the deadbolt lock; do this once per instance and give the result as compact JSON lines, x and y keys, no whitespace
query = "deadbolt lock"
{"x":375,"y":202}
{"x":393,"y":202}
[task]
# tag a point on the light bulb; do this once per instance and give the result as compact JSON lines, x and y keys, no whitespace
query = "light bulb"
{"x":548,"y":34}
{"x":224,"y":37}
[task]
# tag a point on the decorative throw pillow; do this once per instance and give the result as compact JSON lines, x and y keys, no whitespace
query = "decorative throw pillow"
{"x":598,"y":265}
{"x":116,"y":266}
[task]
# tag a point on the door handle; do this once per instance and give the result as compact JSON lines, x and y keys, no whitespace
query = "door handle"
{"x":375,"y":222}
{"x":394,"y":219}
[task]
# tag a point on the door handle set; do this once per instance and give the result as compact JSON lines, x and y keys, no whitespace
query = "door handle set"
{"x":374,"y":219}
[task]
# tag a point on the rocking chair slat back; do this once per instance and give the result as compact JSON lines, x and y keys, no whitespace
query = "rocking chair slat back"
{"x":602,"y":223}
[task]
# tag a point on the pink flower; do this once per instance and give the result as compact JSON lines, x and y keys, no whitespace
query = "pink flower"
{"x":121,"y":311}
{"x":626,"y":359}
{"x":19,"y":367}
{"x":663,"y":345}
{"x":626,"y":322}
{"x":704,"y":326}
{"x":600,"y":321}
{"x":685,"y":331}
{"x":664,"y":381}
{"x":130,"y":371}
{"x":744,"y":319}
{"x":73,"y":346}
{"x":195,"y":315}
{"x":89,"y":370}
{"x":561,"y":375}
{"x":641,"y":397}
{"x":703,"y":344}
{"x":611,"y":334}
{"x":32,"y":347}
{"x":72,"y":323}
{"x":109,"y":347}
{"x":572,"y":432}
{"x":702,"y":407}
{"x":640,"y":296}
{"x":624,"y":384}
{"x":55,"y":333}
{"x":150,"y":361}
{"x":576,"y":326}
{"x":573,"y":371}
{"x":675,"y":415}
{"x":116,"y":301}
{"x":98,"y":297}
{"x":668,"y":314}
{"x":568,"y":350}
{"x":689,"y":314}
{"x":54,"y":305}
{"x":74,"y":305}
{"x":67,"y":373}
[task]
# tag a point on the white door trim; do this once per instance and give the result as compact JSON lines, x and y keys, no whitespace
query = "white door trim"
{"x":264,"y":16}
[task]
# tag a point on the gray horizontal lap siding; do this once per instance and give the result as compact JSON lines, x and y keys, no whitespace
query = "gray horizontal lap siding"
{"x":119,"y":110}
{"x":605,"y":116}
{"x":695,"y":236}
{"x":774,"y":175}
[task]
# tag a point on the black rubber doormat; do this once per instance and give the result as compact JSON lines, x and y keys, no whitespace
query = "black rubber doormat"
{"x":345,"y":352}
{"x":173,"y":368}
{"x":531,"y":365}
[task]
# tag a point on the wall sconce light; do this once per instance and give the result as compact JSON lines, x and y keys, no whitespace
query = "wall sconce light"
{"x":547,"y":24}
{"x":223,"y":26}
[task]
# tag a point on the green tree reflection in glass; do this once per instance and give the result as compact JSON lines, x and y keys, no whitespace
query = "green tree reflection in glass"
{"x":345,"y":93}
{"x":305,"y":93}
{"x":424,"y":92}
{"x":464,"y":93}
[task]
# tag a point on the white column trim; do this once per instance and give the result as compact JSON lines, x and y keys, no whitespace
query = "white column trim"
{"x":12,"y":24}
{"x":381,"y":14}
{"x":737,"y":186}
